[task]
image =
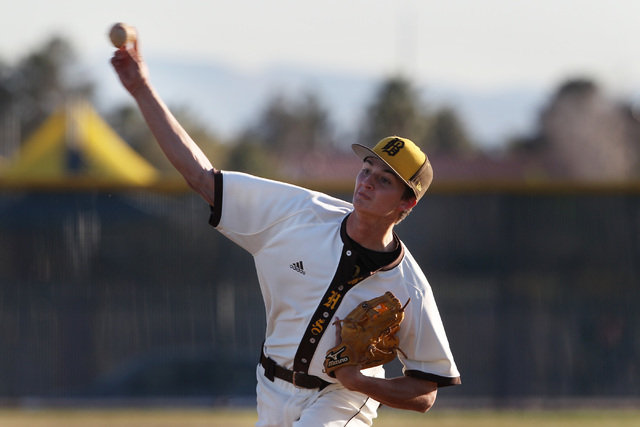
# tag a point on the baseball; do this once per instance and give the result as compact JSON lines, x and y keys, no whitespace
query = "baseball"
{"x":121,"y":34}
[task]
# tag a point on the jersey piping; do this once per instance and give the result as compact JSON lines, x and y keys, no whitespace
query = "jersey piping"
{"x":347,"y":275}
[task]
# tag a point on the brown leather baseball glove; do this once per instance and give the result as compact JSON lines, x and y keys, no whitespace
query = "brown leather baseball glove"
{"x":368,"y":335}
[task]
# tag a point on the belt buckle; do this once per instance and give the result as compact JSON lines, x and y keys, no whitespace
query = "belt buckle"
{"x":293,"y":379}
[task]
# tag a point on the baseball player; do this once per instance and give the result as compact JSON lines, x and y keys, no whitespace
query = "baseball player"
{"x":318,"y":257}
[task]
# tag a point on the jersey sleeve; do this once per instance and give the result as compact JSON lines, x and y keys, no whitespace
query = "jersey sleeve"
{"x":424,"y":341}
{"x":250,"y":210}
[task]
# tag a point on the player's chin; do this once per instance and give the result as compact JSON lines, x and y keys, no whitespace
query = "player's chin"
{"x":360,"y":205}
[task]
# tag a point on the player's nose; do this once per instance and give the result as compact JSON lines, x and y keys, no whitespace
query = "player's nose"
{"x":368,"y":181}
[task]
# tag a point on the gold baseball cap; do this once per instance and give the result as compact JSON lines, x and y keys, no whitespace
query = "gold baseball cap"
{"x":406,"y":160}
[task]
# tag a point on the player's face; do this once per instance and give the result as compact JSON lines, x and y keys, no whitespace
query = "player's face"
{"x":378,"y":190}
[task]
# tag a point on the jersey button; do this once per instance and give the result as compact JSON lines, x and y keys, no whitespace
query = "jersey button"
{"x":348,"y":253}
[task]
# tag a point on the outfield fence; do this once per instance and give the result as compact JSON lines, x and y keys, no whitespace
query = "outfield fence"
{"x":131,"y":294}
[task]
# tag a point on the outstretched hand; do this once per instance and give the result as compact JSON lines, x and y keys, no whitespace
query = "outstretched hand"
{"x":130,"y":67}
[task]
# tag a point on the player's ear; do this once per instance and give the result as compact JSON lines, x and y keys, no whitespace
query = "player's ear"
{"x":407,"y":203}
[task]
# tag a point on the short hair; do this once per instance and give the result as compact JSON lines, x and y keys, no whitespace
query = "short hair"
{"x":408,"y":194}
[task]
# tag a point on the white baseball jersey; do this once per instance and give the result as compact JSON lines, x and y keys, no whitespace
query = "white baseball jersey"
{"x":298,"y":242}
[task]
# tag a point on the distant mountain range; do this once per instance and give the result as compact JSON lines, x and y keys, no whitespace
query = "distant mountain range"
{"x":226,"y":99}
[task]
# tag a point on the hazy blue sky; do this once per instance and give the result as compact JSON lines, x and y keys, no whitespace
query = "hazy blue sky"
{"x":475,"y":43}
{"x":502,"y":58}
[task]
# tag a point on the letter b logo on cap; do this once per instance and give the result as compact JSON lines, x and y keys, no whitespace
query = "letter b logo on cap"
{"x":393,"y":147}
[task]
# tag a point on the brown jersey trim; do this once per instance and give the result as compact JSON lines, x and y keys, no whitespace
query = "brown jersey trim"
{"x":441,"y":381}
{"x":216,"y":208}
{"x":345,"y":278}
{"x":348,"y":241}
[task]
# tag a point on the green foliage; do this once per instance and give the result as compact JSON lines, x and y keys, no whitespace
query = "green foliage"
{"x":41,"y":72}
{"x":128,"y":122}
{"x":250,"y":155}
{"x":397,"y":110}
{"x":291,"y":124}
{"x":40,"y":82}
{"x":447,"y":133}
{"x":287,"y":126}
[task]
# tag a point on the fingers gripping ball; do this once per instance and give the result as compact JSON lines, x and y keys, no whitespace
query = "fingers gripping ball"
{"x":368,"y":335}
{"x":121,"y":34}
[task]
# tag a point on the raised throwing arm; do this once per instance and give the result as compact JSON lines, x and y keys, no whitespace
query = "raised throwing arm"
{"x":177,"y":145}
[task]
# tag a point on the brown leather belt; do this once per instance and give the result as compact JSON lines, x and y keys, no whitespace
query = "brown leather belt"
{"x":299,"y":379}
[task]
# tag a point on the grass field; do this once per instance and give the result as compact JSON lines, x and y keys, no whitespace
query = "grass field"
{"x":387,"y":418}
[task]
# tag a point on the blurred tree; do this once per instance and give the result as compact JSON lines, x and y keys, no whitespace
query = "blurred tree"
{"x":285,"y":129}
{"x":5,"y":87}
{"x":525,"y":144}
{"x":129,"y":123}
{"x":447,"y":133}
{"x":32,"y":89}
{"x":9,"y":120}
{"x":395,"y":110}
{"x":252,"y":156}
{"x":584,"y":135}
{"x":40,"y":82}
{"x":291,"y":125}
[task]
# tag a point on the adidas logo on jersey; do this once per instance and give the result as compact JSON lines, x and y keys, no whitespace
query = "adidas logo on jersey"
{"x":297,"y":266}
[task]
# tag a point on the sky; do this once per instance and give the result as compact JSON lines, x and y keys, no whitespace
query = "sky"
{"x":477,"y":44}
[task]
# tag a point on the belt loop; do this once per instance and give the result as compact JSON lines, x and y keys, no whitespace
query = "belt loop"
{"x":269,"y":370}
{"x":269,"y":366}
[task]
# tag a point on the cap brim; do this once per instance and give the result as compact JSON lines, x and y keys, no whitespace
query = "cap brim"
{"x":364,"y":152}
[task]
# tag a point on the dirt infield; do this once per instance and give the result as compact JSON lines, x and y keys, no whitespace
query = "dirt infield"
{"x":388,"y":418}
